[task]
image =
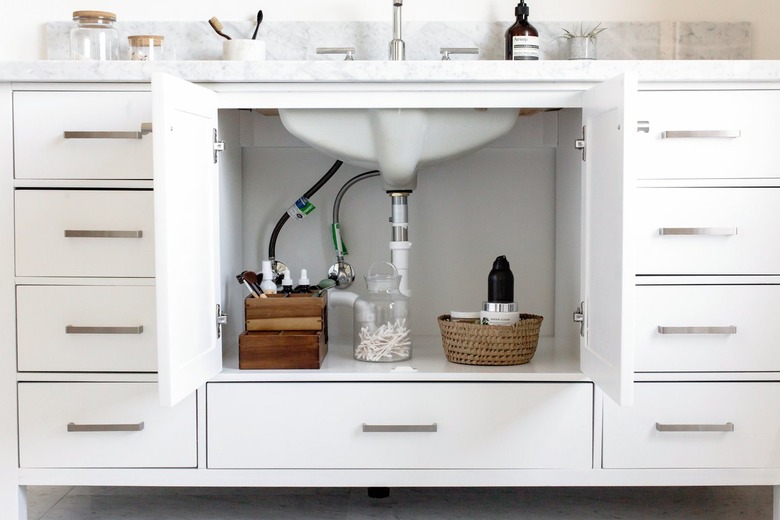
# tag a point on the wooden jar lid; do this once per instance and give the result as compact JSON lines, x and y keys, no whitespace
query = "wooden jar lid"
{"x":94,"y":15}
{"x":141,"y":40}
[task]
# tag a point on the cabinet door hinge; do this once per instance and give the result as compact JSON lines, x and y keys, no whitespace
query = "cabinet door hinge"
{"x":219,"y":146}
{"x":579,"y":317}
{"x":222,"y":319}
{"x":579,"y":144}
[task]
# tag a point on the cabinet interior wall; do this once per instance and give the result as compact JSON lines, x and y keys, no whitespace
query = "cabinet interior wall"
{"x":502,"y":200}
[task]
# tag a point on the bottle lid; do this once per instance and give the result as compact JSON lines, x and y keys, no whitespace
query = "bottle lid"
{"x":287,"y":280}
{"x":304,"y":279}
{"x":93,"y":16}
{"x":143,"y":40}
{"x":267,"y":272}
{"x":522,"y":9}
{"x":501,"y":263}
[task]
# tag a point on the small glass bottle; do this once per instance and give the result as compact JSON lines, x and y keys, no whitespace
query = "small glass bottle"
{"x":382,"y":319}
{"x":94,"y":36}
{"x":522,"y":38}
{"x":146,"y":47}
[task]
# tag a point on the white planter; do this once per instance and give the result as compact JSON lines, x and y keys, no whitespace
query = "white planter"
{"x":581,"y":48}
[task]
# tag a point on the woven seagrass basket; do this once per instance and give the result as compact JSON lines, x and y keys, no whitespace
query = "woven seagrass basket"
{"x":475,"y":344}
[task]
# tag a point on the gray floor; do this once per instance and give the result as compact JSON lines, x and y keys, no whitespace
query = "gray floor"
{"x":693,"y":503}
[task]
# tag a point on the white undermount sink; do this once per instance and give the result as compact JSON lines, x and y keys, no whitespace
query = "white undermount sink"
{"x":398,"y":141}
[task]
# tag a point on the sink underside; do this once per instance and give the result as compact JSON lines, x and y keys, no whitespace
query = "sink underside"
{"x":398,"y":141}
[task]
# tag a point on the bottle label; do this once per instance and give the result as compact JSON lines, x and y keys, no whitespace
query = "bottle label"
{"x":300,"y":209}
{"x":525,"y":47}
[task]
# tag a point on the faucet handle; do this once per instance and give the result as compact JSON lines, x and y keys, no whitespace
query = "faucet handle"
{"x":349,"y":52}
{"x":446,"y":51}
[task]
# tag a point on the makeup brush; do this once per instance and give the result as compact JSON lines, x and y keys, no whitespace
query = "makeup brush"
{"x":217,"y":26}
{"x":259,"y":21}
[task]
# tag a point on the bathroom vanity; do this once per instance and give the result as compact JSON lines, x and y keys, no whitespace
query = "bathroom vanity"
{"x":637,"y":203}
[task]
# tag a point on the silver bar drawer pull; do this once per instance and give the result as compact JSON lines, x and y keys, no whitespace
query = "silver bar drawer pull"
{"x":706,"y":134}
{"x":728,"y":427}
{"x":698,"y":231}
{"x":132,"y":427}
{"x":400,"y":428}
{"x":100,"y":233}
{"x":72,"y":329}
{"x":731,"y":329}
{"x":146,"y":128}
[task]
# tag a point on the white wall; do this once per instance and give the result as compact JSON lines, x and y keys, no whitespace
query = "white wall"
{"x":24,"y":33}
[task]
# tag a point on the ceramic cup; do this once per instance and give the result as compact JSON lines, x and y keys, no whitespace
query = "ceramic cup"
{"x":245,"y":50}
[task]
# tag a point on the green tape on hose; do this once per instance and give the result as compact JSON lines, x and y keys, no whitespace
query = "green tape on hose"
{"x":338,"y":244}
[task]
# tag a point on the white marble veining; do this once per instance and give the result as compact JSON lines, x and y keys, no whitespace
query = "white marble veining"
{"x":562,"y":71}
{"x":291,"y":41}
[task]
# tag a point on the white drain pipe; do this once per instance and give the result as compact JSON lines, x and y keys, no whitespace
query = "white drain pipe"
{"x":399,"y":245}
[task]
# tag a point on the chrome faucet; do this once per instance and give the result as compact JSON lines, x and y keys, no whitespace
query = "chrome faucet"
{"x":397,"y":45}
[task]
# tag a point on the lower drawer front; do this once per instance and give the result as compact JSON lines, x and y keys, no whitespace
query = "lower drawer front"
{"x":431,"y":425}
{"x":660,"y":430}
{"x":707,"y":328}
{"x":707,"y":231}
{"x":100,"y":233}
{"x":104,"y":425}
{"x":86,"y":328}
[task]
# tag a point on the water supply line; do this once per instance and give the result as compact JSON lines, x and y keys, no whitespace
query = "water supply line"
{"x":400,"y":246}
{"x":278,"y":267}
{"x":341,"y":271}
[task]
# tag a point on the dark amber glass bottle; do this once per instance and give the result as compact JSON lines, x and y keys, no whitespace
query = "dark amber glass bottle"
{"x":522,"y":38}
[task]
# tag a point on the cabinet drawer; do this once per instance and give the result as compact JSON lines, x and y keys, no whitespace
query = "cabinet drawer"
{"x":707,"y":231}
{"x":84,"y":233}
{"x":86,"y":328}
{"x":432,"y":425}
{"x":707,"y":328}
{"x":102,"y":425}
{"x":46,"y":147}
{"x":647,"y":435}
{"x":712,"y":134}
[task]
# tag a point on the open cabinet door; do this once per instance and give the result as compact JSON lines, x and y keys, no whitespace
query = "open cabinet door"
{"x":606,"y":349}
{"x":186,"y":215}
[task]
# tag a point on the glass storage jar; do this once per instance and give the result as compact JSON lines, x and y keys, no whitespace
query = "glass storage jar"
{"x":382,"y":319}
{"x":146,"y":47}
{"x":94,"y":37}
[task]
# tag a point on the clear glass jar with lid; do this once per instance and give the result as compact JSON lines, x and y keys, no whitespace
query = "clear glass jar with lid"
{"x":146,"y":47}
{"x":383,"y":318}
{"x":94,"y":37}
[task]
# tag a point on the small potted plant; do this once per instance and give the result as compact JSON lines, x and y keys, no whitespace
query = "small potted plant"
{"x":581,"y":44}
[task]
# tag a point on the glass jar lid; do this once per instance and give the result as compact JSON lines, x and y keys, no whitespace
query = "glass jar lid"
{"x":143,"y":40}
{"x":93,"y":16}
{"x":382,"y":276}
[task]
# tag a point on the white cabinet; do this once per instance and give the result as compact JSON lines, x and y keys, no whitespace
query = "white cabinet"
{"x":400,"y":426}
{"x":694,"y":425}
{"x":707,"y":267}
{"x":103,"y":425}
{"x":190,"y":356}
{"x":707,"y":328}
{"x":86,"y":328}
{"x":707,"y":230}
{"x":82,"y":135}
{"x":673,"y":269}
{"x":77,"y":233}
{"x":707,"y":134}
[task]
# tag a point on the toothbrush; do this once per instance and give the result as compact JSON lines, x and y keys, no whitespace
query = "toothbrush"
{"x":217,"y":26}
{"x":259,"y":21}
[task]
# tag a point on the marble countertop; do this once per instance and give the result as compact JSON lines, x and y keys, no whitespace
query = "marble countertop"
{"x":551,"y":71}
